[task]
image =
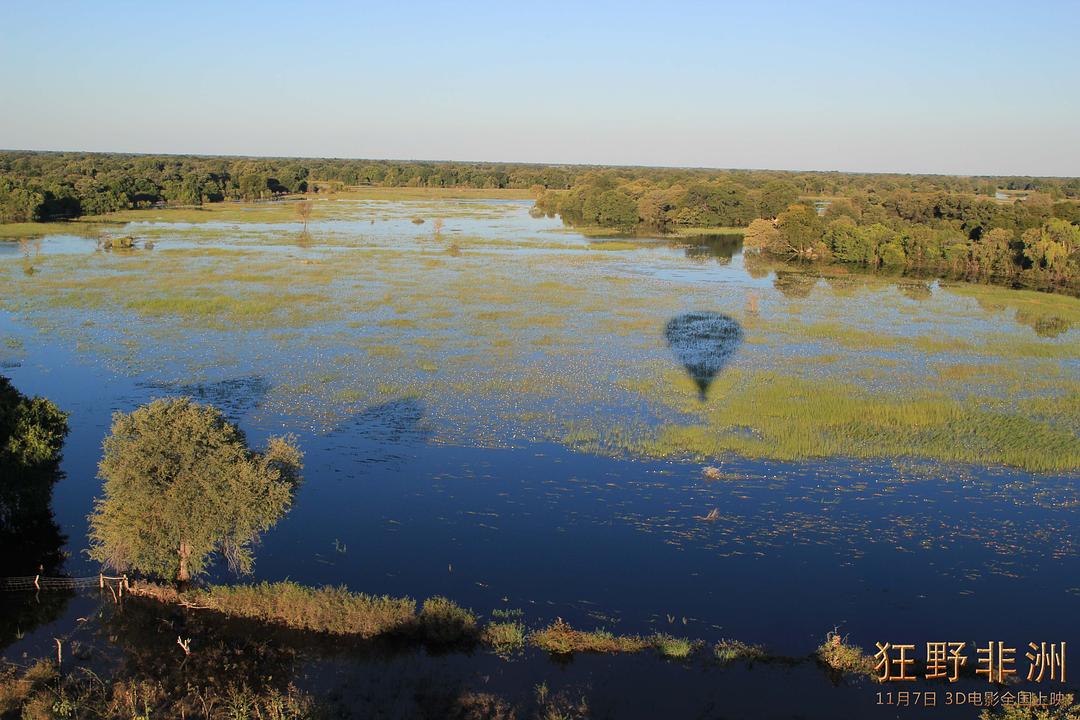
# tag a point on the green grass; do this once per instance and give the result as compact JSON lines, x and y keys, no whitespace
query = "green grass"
{"x":827,"y":375}
{"x":728,"y":651}
{"x":331,"y":610}
{"x":19,"y":231}
{"x":670,"y":646}
{"x":506,"y":638}
{"x":561,"y":639}
{"x":769,"y":414}
{"x":445,"y":623}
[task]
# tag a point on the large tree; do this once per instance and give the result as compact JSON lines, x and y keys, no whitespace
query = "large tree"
{"x":181,"y":485}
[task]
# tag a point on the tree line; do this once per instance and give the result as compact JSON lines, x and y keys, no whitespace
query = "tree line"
{"x":39,"y":186}
{"x":42,"y":186}
{"x":1033,"y":239}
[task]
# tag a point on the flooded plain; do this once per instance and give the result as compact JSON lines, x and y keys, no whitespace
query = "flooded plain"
{"x":637,"y":435}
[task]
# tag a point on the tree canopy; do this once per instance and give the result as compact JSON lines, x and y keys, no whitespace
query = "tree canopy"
{"x":32,"y":432}
{"x":181,"y":486}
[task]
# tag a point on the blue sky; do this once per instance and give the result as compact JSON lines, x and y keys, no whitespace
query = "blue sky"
{"x":942,"y":86}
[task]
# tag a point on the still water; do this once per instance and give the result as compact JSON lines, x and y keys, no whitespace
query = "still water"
{"x":432,"y":402}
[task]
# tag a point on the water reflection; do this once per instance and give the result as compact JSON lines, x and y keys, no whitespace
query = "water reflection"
{"x":704,"y":343}
{"x":720,"y":247}
{"x":31,"y":543}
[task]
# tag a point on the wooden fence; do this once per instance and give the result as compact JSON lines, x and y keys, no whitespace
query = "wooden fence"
{"x":41,"y":582}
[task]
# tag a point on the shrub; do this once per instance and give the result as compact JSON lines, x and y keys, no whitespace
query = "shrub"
{"x":842,"y":657}
{"x":506,"y":638}
{"x":332,"y":610}
{"x":443,"y":622}
{"x":561,"y":639}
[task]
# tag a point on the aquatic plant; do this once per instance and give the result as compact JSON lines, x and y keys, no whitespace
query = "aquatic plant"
{"x":505,"y":638}
{"x":444,"y":622}
{"x":728,"y":650}
{"x":331,"y":610}
{"x":837,"y":654}
{"x":561,"y":639}
{"x":40,"y":692}
{"x":671,"y":646}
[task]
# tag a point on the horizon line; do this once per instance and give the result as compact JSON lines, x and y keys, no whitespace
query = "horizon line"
{"x":535,"y":163}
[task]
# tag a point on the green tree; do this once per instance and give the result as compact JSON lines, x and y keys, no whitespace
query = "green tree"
{"x":615,"y":208}
{"x":32,"y":430}
{"x":761,"y":237}
{"x":775,"y":196}
{"x":1051,"y":246}
{"x":801,"y":232}
{"x":181,"y":484}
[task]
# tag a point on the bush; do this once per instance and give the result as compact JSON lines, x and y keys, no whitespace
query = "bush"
{"x":842,"y":657}
{"x":506,"y":638}
{"x":561,"y":639}
{"x":670,"y":646}
{"x":444,"y":622}
{"x":32,"y":430}
{"x":332,"y":610}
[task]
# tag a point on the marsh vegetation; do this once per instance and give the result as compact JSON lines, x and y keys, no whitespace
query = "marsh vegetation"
{"x":499,"y":411}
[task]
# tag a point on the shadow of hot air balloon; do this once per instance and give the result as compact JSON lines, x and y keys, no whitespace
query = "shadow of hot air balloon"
{"x":704,"y":343}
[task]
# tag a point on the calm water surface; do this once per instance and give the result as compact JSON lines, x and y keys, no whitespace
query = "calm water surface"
{"x":464,"y":495}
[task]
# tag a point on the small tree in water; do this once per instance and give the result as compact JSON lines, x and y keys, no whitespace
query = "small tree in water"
{"x":181,"y":484}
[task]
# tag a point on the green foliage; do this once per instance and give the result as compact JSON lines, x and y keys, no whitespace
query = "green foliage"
{"x":505,"y":638}
{"x":36,"y":186}
{"x":800,"y":232}
{"x":561,"y":639}
{"x":443,"y":622}
{"x":182,"y":485}
{"x":671,"y":646}
{"x":1053,"y":246}
{"x":331,"y":610}
{"x":32,"y":430}
{"x":775,"y":196}
{"x":727,"y":651}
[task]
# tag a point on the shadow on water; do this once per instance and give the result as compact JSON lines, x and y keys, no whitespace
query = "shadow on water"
{"x":236,"y":397}
{"x":388,"y":432}
{"x":704,"y":343}
{"x":32,"y":544}
{"x":394,"y":421}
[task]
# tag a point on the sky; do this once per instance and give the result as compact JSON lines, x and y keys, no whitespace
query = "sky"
{"x":859,"y":85}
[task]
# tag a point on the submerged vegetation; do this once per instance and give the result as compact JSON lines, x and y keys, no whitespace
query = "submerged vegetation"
{"x":727,"y":651}
{"x":834,"y":364}
{"x":771,"y":414}
{"x":42,"y":692}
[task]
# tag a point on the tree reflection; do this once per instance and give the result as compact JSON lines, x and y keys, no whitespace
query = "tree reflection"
{"x":31,"y":431}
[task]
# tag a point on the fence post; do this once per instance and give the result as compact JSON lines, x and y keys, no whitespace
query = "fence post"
{"x":101,"y":580}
